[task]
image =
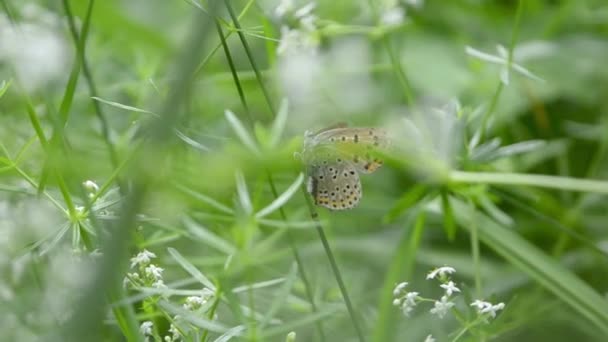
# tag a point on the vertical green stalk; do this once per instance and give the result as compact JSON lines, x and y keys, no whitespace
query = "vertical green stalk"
{"x":292,"y":245}
{"x":475,"y":253}
{"x":80,"y":40}
{"x":494,"y":102}
{"x":334,"y":265}
{"x":313,"y":213}
{"x":401,"y":269}
{"x":89,"y":312}
{"x":395,"y":62}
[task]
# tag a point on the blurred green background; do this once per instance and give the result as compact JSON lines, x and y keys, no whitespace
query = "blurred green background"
{"x":171,"y":127}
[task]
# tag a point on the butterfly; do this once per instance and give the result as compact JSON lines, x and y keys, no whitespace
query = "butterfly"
{"x":334,"y":157}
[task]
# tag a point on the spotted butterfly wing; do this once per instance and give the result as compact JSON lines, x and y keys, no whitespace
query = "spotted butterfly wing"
{"x":354,"y":144}
{"x":334,"y":185}
{"x":334,"y":157}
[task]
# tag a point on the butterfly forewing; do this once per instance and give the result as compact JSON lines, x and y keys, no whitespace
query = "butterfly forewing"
{"x":356,"y":145}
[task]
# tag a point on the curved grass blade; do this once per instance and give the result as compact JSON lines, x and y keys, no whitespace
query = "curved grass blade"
{"x":188,"y":267}
{"x":282,"y":199}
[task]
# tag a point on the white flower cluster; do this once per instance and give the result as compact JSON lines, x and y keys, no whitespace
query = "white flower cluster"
{"x":404,"y":299}
{"x":196,"y":302}
{"x":407,"y":300}
{"x":146,"y":330}
{"x":302,"y":37}
{"x":147,"y":274}
{"x":175,"y":334}
{"x":393,"y":13}
{"x":487,"y":308}
{"x":199,"y":304}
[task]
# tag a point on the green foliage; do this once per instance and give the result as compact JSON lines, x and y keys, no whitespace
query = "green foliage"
{"x":151,"y":186}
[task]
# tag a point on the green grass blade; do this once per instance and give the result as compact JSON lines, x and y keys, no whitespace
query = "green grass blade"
{"x":549,"y":274}
{"x":191,"y":269}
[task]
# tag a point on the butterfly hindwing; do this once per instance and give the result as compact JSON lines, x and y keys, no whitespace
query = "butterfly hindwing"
{"x":334,"y":185}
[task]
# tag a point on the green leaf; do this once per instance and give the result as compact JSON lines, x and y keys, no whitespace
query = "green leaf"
{"x":280,"y":296}
{"x":281,"y":199}
{"x":125,"y":107}
{"x":232,"y":332}
{"x":212,"y":240}
{"x":241,"y":132}
{"x":278,"y":126}
{"x":191,"y":269}
{"x":4,"y":86}
{"x":205,"y":199}
{"x":448,"y":216}
{"x":243,"y":193}
{"x":548,"y":273}
{"x":193,"y":318}
{"x":407,"y":200}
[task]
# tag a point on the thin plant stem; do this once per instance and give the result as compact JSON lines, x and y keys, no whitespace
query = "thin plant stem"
{"x":313,"y":213}
{"x":65,"y":193}
{"x":292,"y":245}
{"x":334,"y":265}
{"x":560,"y":245}
{"x":85,"y":323}
{"x":80,"y":45}
{"x":212,"y":310}
{"x":500,"y":87}
{"x":401,"y":268}
{"x":475,"y":253}
{"x":249,"y":54}
{"x":395,"y":62}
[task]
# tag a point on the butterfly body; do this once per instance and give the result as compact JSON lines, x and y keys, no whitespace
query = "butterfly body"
{"x":334,"y":159}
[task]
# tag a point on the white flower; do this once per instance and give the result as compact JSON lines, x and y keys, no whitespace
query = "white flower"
{"x":309,"y":22}
{"x":399,"y":288}
{"x":442,"y":307}
{"x":175,"y":334}
{"x":397,"y":301}
{"x":142,"y":258}
{"x":480,"y":304}
{"x":305,"y":10}
{"x":410,"y":298}
{"x":295,"y":41}
{"x":194,"y":302}
{"x":429,"y":338}
{"x":493,"y":309}
{"x":159,"y":284}
{"x":125,"y":282}
{"x":449,"y":288}
{"x":406,"y":310}
{"x":408,"y":302}
{"x":441,"y":271}
{"x":146,"y":328}
{"x":284,"y":7}
{"x":393,"y":16}
{"x":154,"y":271}
{"x":90,"y":186}
{"x":484,"y":307}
